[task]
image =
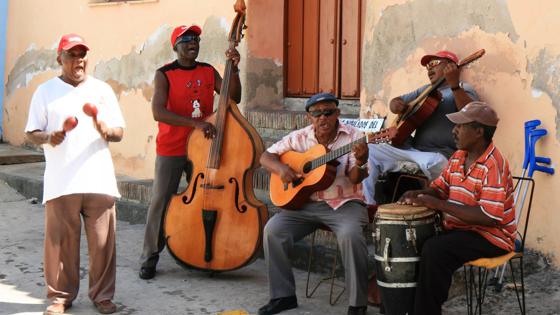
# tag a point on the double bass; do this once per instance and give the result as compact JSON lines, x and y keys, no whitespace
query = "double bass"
{"x":216,"y":224}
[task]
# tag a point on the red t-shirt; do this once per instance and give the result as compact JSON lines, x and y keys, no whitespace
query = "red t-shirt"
{"x":191,"y":94}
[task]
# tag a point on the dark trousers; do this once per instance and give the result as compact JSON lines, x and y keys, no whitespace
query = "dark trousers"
{"x":166,"y":181}
{"x":441,"y":256}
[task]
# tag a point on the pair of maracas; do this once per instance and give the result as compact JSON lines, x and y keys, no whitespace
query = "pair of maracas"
{"x":71,"y":122}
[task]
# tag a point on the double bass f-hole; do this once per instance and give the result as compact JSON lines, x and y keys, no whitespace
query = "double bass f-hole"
{"x":186,"y":200}
{"x":243,"y":209}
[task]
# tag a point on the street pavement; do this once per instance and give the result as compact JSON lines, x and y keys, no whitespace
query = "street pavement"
{"x":176,"y":290}
{"x":173,"y":291}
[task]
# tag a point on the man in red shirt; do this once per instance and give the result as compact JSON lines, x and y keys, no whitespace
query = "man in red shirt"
{"x":183,"y":98}
{"x":475,"y":195}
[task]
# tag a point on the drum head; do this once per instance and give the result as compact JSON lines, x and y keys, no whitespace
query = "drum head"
{"x":393,"y":211}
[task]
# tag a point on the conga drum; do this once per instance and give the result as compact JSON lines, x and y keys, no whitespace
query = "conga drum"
{"x":400,"y":231}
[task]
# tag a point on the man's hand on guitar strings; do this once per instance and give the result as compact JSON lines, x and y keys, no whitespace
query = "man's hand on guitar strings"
{"x":361,"y":153}
{"x":288,"y":175}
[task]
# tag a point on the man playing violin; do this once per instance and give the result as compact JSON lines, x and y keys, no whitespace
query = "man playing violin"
{"x":475,"y":195}
{"x":183,"y":97}
{"x":340,"y":207}
{"x":432,"y":143}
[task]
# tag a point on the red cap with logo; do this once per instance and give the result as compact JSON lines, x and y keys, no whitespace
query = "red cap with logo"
{"x":180,"y":30}
{"x":70,"y":41}
{"x":440,"y":54}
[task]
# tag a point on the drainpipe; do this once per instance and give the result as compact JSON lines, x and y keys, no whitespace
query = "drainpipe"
{"x":3,"y":29}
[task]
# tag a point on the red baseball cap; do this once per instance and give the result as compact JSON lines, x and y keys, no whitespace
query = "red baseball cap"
{"x":440,"y":54}
{"x":70,"y":41}
{"x":180,"y":30}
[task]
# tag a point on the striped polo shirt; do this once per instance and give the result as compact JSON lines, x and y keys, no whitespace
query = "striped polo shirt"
{"x":488,"y":184}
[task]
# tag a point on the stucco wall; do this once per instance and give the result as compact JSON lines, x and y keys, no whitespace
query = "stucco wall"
{"x":128,"y":40}
{"x":518,"y":76}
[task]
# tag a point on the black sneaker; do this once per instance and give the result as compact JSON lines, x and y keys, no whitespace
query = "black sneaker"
{"x":278,"y":305}
{"x":357,"y":310}
{"x":147,"y":273}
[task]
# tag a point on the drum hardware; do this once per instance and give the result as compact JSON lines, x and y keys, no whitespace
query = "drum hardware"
{"x":376,"y":236}
{"x":386,"y":255}
{"x":438,"y":223}
{"x":411,"y":236}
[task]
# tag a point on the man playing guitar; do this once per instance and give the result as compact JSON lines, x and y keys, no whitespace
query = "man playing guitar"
{"x":340,"y":207}
{"x":433,"y":142}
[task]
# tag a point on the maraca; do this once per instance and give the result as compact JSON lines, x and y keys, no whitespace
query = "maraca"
{"x":69,"y":124}
{"x":90,"y":110}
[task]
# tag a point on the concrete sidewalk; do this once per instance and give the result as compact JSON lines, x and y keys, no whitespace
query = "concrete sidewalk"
{"x":176,"y":290}
{"x":173,"y":291}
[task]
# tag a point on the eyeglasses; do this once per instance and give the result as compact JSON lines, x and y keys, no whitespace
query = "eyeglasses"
{"x":326,"y":112}
{"x":75,"y":54}
{"x":433,"y":63}
{"x":187,"y":38}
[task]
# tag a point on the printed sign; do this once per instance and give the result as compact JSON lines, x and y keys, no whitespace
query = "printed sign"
{"x":366,"y":125}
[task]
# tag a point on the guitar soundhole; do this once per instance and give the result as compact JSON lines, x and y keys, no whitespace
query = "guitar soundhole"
{"x":297,"y":182}
{"x":307,"y":167}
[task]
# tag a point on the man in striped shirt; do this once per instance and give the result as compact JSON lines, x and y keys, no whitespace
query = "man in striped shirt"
{"x":475,"y":195}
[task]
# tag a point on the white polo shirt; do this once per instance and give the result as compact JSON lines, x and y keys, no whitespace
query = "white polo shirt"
{"x":82,"y":162}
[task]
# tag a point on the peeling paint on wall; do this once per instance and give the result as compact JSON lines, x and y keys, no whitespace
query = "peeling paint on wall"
{"x":136,"y":69}
{"x":28,"y":66}
{"x":403,"y":26}
{"x":263,"y":84}
{"x":546,"y":78}
{"x":214,"y":42}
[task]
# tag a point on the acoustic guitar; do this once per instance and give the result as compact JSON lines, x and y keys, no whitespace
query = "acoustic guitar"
{"x":318,"y":169}
{"x":422,"y":107}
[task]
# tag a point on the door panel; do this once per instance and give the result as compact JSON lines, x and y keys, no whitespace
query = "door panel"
{"x":294,"y":64}
{"x":350,"y":48}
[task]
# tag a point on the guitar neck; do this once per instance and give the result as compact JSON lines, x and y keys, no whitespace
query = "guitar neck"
{"x":336,"y":153}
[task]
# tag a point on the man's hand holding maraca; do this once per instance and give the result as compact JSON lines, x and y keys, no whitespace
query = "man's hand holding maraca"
{"x":56,"y":138}
{"x":109,"y":134}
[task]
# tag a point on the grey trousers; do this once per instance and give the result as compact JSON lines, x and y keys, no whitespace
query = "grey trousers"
{"x":287,"y":227}
{"x":166,"y":181}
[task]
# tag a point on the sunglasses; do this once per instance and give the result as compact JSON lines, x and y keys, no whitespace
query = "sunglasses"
{"x":75,"y":54}
{"x":188,"y":38}
{"x":326,"y":112}
{"x":433,"y":63}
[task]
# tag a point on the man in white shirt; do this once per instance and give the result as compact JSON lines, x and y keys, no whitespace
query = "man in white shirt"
{"x":79,"y":178}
